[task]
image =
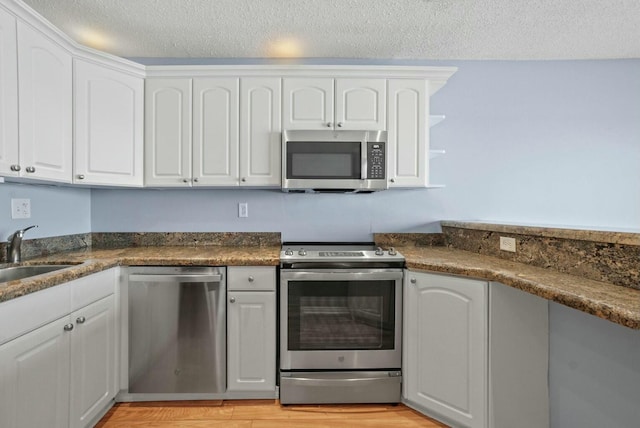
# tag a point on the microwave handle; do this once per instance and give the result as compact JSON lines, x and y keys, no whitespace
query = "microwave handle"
{"x":363,"y":158}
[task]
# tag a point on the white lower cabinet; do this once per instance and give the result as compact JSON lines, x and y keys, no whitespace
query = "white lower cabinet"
{"x":251,"y":329}
{"x":61,"y":374}
{"x":445,"y":347}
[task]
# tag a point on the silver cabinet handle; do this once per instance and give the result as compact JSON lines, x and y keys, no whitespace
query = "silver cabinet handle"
{"x":232,"y":300}
{"x":68,"y":327}
{"x":81,"y":320}
{"x":412,"y":280}
{"x":251,"y":279}
{"x":80,"y":177}
{"x":339,"y":124}
{"x":30,"y":169}
{"x":15,"y":167}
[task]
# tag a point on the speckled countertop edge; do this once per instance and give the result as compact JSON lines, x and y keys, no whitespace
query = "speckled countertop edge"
{"x":87,"y":262}
{"x":626,"y":238}
{"x":614,"y":303}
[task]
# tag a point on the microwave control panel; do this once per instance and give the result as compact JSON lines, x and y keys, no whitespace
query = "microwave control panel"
{"x":376,"y":163}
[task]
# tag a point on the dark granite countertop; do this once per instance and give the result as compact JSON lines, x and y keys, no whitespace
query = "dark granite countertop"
{"x":90,"y":261}
{"x":608,"y":301}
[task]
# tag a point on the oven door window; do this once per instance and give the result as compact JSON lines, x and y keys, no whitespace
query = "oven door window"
{"x":338,"y":315}
{"x":323,"y":160}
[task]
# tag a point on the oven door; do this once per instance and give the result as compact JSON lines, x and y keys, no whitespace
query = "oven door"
{"x":341,"y":319}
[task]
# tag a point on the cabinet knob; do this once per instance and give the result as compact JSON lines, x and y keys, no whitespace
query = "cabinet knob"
{"x":81,"y":320}
{"x":339,"y":124}
{"x":30,"y":169}
{"x":15,"y":167}
{"x":244,"y":179}
{"x":195,"y":180}
{"x":68,"y":327}
{"x":393,"y":180}
{"x":80,"y":177}
{"x":328,"y":124}
{"x":251,"y":279}
{"x":412,"y":280}
{"x":232,"y":300}
{"x":185,"y":180}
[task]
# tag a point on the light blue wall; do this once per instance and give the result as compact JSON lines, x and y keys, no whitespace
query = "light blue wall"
{"x":56,"y":210}
{"x":536,"y":142}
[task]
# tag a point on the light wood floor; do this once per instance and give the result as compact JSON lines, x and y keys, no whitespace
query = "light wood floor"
{"x":261,"y":414}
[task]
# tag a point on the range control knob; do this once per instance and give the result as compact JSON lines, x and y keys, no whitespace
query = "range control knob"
{"x":392,"y":251}
{"x":288,"y":252}
{"x":379,"y":252}
{"x":302,"y":252}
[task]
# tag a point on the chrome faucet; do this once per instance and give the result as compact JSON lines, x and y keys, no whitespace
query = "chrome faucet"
{"x":15,"y":242}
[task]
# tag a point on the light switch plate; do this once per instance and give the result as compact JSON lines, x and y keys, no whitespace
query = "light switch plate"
{"x":20,"y":208}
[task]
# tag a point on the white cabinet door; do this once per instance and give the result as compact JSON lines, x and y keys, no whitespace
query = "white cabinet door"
{"x":260,"y":139}
{"x":361,"y":104}
{"x":9,"y":161}
{"x":307,"y":103}
{"x":251,"y":340}
{"x":45,"y":87}
{"x":34,"y":378}
{"x":93,"y":354}
{"x":167,"y":143}
{"x":445,"y":347}
{"x":408,"y":133}
{"x":215,"y":132}
{"x":108,"y":115}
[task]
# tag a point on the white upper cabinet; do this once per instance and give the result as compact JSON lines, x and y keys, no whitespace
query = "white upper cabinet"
{"x":215,"y":131}
{"x":108,"y":115}
{"x":9,"y":161}
{"x":260,"y":131}
{"x":326,"y":103}
{"x":167,"y":124}
{"x":45,"y":124}
{"x":408,"y":133}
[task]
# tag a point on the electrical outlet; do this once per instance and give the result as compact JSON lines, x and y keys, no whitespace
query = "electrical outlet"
{"x":508,"y":244}
{"x":20,"y":208}
{"x":243,"y":209}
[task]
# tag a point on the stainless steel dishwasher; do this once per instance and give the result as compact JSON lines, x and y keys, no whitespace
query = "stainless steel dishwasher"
{"x":177,"y":331}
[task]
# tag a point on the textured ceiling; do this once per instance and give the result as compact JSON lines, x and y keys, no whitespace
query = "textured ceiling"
{"x":370,"y":29}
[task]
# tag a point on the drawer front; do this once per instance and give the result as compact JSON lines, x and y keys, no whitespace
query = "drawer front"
{"x":251,"y":278}
{"x":24,"y":314}
{"x":92,"y":288}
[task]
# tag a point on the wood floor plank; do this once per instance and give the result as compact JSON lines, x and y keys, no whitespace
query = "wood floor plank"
{"x":262,"y":414}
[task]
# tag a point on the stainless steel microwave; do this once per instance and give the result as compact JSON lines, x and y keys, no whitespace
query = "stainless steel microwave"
{"x":334,"y":161}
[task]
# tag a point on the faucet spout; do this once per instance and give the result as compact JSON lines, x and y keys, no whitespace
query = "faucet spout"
{"x":14,"y":254}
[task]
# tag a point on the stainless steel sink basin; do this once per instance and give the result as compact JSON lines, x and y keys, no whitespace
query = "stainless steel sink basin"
{"x":20,"y":272}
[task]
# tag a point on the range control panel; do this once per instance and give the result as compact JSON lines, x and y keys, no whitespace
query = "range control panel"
{"x":376,"y":161}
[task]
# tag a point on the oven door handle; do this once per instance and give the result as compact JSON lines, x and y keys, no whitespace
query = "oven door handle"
{"x":324,"y":275}
{"x":319,"y":379}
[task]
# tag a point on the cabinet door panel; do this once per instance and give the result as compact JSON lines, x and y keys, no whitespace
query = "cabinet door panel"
{"x":251,"y":341}
{"x":167,"y":127}
{"x":45,"y":87}
{"x":361,"y":104}
{"x":308,"y":103}
{"x":93,"y":360}
{"x":260,"y":139}
{"x":446,"y":351}
{"x":109,"y":126}
{"x":34,"y":374}
{"x":408,"y":136}
{"x":215,"y":131}
{"x":8,"y":94}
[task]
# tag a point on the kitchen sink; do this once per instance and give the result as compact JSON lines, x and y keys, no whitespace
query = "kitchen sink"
{"x":19,"y":272}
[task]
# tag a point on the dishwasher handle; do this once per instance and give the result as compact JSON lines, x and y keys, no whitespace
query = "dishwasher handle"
{"x":195,"y":277}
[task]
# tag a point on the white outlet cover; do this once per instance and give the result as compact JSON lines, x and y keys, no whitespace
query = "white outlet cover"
{"x":20,"y":208}
{"x":508,"y":244}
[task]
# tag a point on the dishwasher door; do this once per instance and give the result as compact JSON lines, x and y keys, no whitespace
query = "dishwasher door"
{"x":177,"y":330}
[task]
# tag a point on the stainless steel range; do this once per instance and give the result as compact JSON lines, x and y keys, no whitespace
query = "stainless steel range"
{"x":340,"y":323}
